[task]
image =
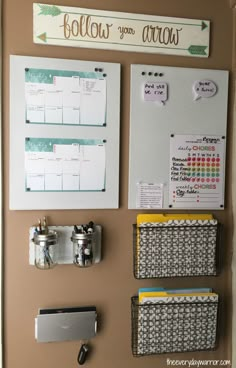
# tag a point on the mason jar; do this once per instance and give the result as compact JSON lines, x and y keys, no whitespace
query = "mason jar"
{"x":83,"y":248}
{"x":46,"y":250}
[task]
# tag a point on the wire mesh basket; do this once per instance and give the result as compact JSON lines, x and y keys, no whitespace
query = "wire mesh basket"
{"x":173,"y":327}
{"x":170,"y":251}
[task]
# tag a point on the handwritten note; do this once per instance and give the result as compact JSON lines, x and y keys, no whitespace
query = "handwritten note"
{"x":155,"y":91}
{"x":93,"y":101}
{"x":204,"y":89}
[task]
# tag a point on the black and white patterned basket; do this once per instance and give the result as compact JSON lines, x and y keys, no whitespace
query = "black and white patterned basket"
{"x":181,"y":326}
{"x":176,"y":248}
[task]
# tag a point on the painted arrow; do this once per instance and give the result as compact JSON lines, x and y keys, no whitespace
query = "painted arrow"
{"x":43,"y":37}
{"x":197,"y":50}
{"x":49,"y":10}
{"x":204,"y":26}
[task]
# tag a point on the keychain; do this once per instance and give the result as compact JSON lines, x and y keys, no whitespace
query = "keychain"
{"x":82,"y":356}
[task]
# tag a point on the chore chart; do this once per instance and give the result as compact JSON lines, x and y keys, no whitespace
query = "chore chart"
{"x":196,"y":171}
{"x":64,"y":134}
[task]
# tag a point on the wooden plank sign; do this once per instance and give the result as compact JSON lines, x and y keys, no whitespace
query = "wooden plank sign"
{"x":89,"y":28}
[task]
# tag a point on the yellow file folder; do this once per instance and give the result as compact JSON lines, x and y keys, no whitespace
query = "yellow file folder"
{"x":166,"y":217}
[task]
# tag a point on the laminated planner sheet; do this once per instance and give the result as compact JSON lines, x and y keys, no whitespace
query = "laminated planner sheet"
{"x":64,"y":134}
{"x":64,"y":97}
{"x":178,"y":125}
{"x":64,"y":165}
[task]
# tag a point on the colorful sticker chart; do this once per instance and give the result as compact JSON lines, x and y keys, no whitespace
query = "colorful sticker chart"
{"x":196,"y":171}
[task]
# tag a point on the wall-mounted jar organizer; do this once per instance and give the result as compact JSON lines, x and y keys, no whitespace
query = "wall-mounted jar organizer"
{"x":181,"y":248}
{"x":168,"y":327}
{"x":51,"y":245}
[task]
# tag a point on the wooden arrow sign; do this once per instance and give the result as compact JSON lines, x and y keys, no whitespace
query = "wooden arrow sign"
{"x":77,"y":27}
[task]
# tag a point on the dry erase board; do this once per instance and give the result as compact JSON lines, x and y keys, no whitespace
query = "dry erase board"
{"x":178,"y":122}
{"x":64,"y":133}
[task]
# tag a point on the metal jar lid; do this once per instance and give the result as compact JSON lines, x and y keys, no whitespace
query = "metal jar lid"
{"x":82,"y":236}
{"x":51,"y":237}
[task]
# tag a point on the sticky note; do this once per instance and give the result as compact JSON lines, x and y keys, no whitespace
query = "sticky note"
{"x":155,"y":91}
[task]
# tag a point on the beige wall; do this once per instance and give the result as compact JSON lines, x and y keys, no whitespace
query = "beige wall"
{"x":110,"y":284}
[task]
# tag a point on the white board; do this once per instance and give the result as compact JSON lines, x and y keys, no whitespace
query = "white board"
{"x":169,"y":102}
{"x":64,"y":133}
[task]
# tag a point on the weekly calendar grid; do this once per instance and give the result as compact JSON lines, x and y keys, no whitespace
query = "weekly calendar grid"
{"x":196,"y":171}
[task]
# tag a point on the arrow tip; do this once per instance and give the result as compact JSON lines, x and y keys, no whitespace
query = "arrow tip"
{"x":43,"y":37}
{"x":204,"y":25}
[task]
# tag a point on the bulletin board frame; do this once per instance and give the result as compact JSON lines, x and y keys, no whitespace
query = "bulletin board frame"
{"x":109,"y":133}
{"x":182,"y":112}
